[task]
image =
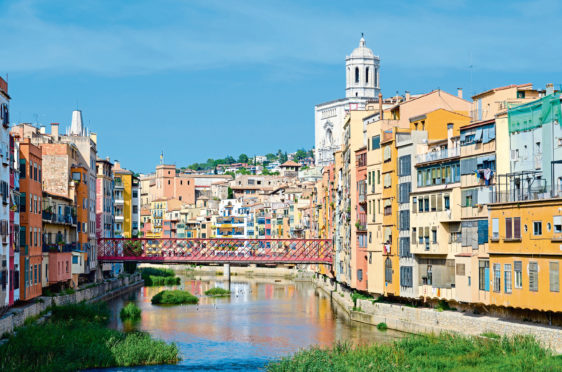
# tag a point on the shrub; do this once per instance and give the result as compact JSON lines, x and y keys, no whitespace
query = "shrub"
{"x":96,"y":312}
{"x":382,"y":326}
{"x":217,"y":292}
{"x":158,"y":277}
{"x":131,"y":311}
{"x":175,"y":297}
{"x":359,"y":296}
{"x":69,"y":291}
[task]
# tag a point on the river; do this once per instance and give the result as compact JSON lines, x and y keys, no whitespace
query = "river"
{"x":262,"y":320}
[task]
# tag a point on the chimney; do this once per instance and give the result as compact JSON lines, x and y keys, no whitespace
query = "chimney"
{"x":42,"y":129}
{"x":380,"y":107}
{"x":94,"y":137}
{"x":116,"y":165}
{"x":459,"y":92}
{"x":55,"y":129}
{"x":407,"y":95}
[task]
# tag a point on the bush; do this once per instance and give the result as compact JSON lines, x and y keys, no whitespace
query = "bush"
{"x":217,"y":292}
{"x":159,"y":277}
{"x":131,"y":311}
{"x":359,"y":296}
{"x":382,"y":326}
{"x":73,"y":340}
{"x":427,"y":353}
{"x":69,"y":291}
{"x":175,"y":297}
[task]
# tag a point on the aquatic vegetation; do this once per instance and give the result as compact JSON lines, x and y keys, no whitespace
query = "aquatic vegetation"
{"x":445,"y":352}
{"x":131,"y":311}
{"x":159,"y":277}
{"x":76,"y":338}
{"x":217,"y":292}
{"x":174,"y":297}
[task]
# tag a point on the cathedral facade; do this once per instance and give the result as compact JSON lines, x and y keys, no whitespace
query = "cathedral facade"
{"x":362,"y":85}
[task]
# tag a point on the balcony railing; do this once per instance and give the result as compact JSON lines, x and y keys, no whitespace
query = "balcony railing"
{"x":59,"y":218}
{"x":57,"y":248}
{"x":438,"y":155}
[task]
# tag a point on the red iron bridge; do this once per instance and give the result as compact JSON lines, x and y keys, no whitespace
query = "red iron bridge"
{"x":215,"y":251}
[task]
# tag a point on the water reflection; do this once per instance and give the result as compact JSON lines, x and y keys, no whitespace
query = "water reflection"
{"x":263,"y":319}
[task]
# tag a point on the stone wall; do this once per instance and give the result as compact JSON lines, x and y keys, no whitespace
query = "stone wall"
{"x":426,"y":320}
{"x":103,"y":291}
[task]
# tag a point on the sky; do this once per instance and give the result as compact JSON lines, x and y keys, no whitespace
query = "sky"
{"x":201,"y":79}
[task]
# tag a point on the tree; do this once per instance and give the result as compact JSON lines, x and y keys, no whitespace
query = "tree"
{"x":300,"y":155}
{"x":270,"y":157}
{"x":242,"y":171}
{"x":243,"y":158}
{"x":230,"y":193}
{"x":283,"y":157}
{"x":229,"y":160}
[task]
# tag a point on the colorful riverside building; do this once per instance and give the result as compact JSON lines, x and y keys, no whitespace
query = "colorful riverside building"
{"x":14,"y":221}
{"x":104,"y":199}
{"x":6,"y":275}
{"x":31,"y":222}
{"x":126,"y":202}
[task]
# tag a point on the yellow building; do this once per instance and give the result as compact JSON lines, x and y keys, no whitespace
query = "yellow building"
{"x":525,"y":254}
{"x":126,"y":202}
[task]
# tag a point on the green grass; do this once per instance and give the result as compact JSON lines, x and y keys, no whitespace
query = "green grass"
{"x":75,"y":338}
{"x":159,"y":277}
{"x":217,"y":292}
{"x":359,"y":296}
{"x":131,"y":311}
{"x":174,"y":297}
{"x":491,"y":335}
{"x":427,"y":353}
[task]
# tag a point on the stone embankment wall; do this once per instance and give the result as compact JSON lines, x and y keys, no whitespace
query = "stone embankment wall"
{"x":426,"y":320}
{"x":250,"y":270}
{"x":102,"y":291}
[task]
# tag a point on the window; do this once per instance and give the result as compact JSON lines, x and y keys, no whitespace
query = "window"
{"x":557,"y":222}
{"x":367,"y":75}
{"x":22,"y":202}
{"x":404,"y":220}
{"x":378,"y":177}
{"x":517,"y":227}
{"x":357,"y":74}
{"x":414,"y":204}
{"x":495,"y":228}
{"x":404,"y":246}
{"x":375,"y":142}
{"x":497,"y":277}
{"x":404,"y":165}
{"x":533,"y":276}
{"x":388,"y":270}
{"x":406,"y":276}
{"x":554,"y":276}
{"x":484,"y":275}
{"x":360,"y":275}
{"x":434,"y":236}
{"x":508,"y":228}
{"x":507,"y":278}
{"x":537,"y":228}
{"x":460,"y":269}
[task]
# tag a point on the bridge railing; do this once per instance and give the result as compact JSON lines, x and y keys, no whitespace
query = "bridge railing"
{"x":215,"y":250}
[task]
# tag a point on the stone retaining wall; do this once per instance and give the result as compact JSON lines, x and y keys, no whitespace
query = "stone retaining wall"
{"x":425,"y":320}
{"x":105,"y":290}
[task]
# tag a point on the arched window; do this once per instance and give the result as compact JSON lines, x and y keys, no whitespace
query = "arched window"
{"x":376,"y":78}
{"x":388,"y":270}
{"x":356,"y":74}
{"x":367,"y":75}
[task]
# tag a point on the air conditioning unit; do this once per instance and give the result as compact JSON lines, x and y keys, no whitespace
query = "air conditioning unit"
{"x":514,"y":155}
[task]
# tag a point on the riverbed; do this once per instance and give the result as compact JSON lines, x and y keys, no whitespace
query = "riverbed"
{"x":263,"y":319}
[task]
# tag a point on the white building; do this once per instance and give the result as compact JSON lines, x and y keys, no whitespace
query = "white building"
{"x":362,"y":85}
{"x":5,"y":275}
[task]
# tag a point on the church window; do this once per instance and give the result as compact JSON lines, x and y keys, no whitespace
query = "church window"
{"x":367,"y":75}
{"x":357,"y":74}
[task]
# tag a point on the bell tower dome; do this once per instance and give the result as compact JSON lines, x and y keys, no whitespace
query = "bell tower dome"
{"x":362,"y":72}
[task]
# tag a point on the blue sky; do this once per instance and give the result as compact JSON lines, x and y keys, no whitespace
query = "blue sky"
{"x":200,"y":79}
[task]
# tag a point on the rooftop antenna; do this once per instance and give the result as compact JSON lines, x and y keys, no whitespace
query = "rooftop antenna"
{"x":471,"y":66}
{"x":162,"y":158}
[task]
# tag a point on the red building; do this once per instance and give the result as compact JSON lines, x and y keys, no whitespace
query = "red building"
{"x":361,"y":224}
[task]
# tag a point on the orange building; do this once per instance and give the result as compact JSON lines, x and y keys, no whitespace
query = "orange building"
{"x":31,"y":193}
{"x":80,"y":255}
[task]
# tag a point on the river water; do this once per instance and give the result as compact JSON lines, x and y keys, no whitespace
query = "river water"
{"x":263,"y":319}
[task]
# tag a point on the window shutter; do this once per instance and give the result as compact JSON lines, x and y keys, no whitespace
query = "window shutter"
{"x":554,"y":277}
{"x":533,"y":276}
{"x":439,"y":202}
{"x":517,"y":227}
{"x":508,"y":231}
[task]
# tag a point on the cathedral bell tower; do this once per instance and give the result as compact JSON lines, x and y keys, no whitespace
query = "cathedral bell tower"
{"x":362,"y":72}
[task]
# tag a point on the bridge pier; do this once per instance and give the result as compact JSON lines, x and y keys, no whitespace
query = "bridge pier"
{"x":226,"y":275}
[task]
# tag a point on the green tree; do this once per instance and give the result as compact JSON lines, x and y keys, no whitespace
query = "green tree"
{"x":243,"y":158}
{"x":270,"y":157}
{"x":300,"y":154}
{"x":229,"y":160}
{"x":230,"y":193}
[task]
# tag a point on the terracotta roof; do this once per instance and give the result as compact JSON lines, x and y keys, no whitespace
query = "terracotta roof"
{"x":527,"y":85}
{"x":290,"y":163}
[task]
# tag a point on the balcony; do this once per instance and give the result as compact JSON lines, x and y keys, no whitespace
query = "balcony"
{"x":119,"y":218}
{"x":438,"y":155}
{"x":119,"y":201}
{"x":54,"y":248}
{"x":58,"y":218}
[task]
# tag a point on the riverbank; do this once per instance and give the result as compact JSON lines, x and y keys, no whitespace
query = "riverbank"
{"x":445,"y":352}
{"x":76,"y":337}
{"x":426,"y":320}
{"x":288,"y":272}
{"x":93,"y":292}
